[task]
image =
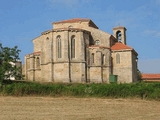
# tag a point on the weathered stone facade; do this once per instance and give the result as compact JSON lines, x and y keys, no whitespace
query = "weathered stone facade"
{"x":77,"y":51}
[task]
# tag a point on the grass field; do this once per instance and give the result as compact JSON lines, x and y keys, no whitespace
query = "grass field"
{"x":69,"y":108}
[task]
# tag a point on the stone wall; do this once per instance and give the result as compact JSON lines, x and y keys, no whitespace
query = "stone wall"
{"x":123,"y":68}
{"x":71,"y":25}
{"x":134,"y":66}
{"x":99,"y":64}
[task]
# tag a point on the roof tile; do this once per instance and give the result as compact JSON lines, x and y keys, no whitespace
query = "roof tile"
{"x":75,"y":20}
{"x":72,"y":20}
{"x":150,"y":76}
{"x":120,"y":46}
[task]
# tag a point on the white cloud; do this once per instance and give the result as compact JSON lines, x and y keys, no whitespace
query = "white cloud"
{"x":67,"y":3}
{"x":152,"y":33}
{"x":158,"y":1}
{"x":132,"y":18}
{"x":158,"y":34}
{"x":149,"y":32}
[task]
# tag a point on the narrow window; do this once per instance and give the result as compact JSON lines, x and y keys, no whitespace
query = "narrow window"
{"x":73,"y":47}
{"x":92,"y":58}
{"x":27,"y":63}
{"x":59,"y":46}
{"x":31,"y":63}
{"x":38,"y":62}
{"x":118,"y":58}
{"x":103,"y":59}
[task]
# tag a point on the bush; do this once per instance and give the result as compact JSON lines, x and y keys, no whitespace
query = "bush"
{"x":140,"y":90}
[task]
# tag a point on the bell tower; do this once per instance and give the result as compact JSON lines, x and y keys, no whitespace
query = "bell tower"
{"x":120,"y":34}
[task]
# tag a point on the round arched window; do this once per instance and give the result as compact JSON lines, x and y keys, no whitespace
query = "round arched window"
{"x":119,"y":35}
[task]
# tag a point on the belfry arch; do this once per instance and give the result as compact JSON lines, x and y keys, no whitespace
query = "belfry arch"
{"x":120,"y":34}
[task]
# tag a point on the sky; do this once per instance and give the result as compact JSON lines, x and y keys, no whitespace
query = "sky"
{"x":23,"y":20}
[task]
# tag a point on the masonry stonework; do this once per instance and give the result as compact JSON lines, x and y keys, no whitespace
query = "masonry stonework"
{"x":77,"y":51}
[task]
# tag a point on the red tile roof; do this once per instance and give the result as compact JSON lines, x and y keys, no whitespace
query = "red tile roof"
{"x":38,"y":52}
{"x":151,"y":76}
{"x":35,"y":53}
{"x":120,"y":46}
{"x":72,"y":20}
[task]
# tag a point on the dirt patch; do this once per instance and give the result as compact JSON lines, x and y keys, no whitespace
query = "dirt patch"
{"x":63,"y":108}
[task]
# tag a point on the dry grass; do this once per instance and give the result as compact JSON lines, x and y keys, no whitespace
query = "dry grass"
{"x":65,"y":108}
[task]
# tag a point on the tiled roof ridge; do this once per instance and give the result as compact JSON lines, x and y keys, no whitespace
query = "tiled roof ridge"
{"x":72,"y":20}
{"x":37,"y":52}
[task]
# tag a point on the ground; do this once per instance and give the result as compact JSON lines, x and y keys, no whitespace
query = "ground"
{"x":68,"y":108}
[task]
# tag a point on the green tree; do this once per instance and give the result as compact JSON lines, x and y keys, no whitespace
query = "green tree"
{"x":139,"y":75}
{"x":8,"y":56}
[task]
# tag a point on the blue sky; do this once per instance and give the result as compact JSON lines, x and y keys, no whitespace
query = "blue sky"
{"x":23,"y":20}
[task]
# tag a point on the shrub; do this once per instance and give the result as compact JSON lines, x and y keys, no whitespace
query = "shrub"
{"x":140,"y":90}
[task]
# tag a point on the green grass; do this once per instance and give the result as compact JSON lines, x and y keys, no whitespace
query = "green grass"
{"x":138,"y":90}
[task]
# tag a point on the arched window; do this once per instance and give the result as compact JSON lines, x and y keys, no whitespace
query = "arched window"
{"x":118,"y":58}
{"x":119,"y":35}
{"x":92,"y":58}
{"x":31,"y":63}
{"x":97,"y":42}
{"x":37,"y":62}
{"x":27,"y":64}
{"x":73,"y":47}
{"x":47,"y":38}
{"x":59,"y":47}
{"x":70,"y":26}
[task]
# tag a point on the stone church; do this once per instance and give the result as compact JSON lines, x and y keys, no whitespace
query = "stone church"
{"x":77,"y":51}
